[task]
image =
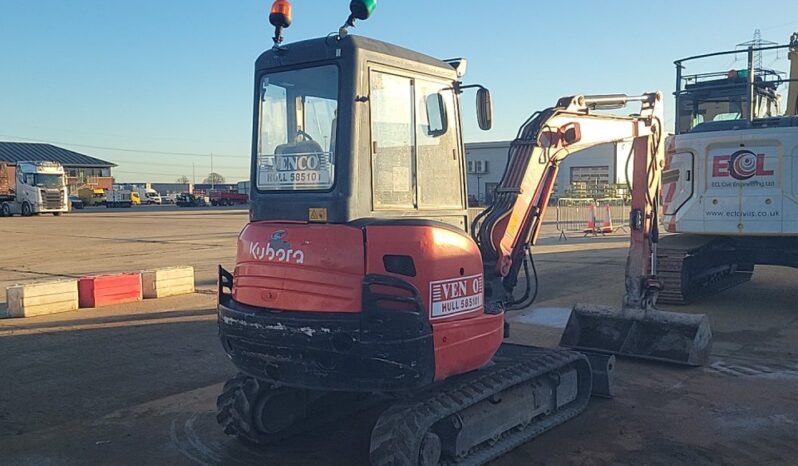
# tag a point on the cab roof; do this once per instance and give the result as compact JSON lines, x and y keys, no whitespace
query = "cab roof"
{"x":325,"y":48}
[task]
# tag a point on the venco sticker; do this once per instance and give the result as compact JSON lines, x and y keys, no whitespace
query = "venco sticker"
{"x":295,"y":171}
{"x":455,"y":296}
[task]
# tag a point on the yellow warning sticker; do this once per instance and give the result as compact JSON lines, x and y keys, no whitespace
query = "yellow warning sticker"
{"x":317,"y":214}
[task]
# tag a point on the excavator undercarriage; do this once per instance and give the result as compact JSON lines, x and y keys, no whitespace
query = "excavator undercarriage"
{"x":466,"y":420}
{"x":694,"y":266}
{"x":475,"y":417}
{"x":691,"y":267}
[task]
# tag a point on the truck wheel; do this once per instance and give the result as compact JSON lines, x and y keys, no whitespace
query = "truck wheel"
{"x":26,"y":210}
{"x":5,"y":210}
{"x":56,"y":214}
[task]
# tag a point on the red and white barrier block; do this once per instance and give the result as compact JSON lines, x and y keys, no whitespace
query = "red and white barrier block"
{"x":42,"y":298}
{"x":104,"y":290}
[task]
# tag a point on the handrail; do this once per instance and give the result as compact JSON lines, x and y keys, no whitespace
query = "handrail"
{"x":679,"y":62}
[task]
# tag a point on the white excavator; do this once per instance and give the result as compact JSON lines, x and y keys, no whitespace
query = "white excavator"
{"x":730,"y":182}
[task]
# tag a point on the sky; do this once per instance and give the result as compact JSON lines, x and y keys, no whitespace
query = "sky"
{"x":163,"y":88}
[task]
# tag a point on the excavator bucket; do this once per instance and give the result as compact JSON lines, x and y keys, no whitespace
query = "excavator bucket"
{"x":649,"y":334}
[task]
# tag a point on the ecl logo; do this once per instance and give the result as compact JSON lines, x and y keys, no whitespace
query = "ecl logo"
{"x":741,"y":165}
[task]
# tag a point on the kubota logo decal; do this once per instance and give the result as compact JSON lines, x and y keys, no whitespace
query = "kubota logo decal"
{"x":456,"y":295}
{"x":276,"y":250}
{"x":741,"y":165}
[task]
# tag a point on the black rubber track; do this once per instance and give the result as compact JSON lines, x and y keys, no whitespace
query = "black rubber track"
{"x":674,"y":270}
{"x":397,"y":435}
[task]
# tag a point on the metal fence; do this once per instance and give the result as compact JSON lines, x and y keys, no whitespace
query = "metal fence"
{"x":591,"y":216}
{"x":572,"y":215}
{"x":585,"y":216}
{"x":617,"y":209}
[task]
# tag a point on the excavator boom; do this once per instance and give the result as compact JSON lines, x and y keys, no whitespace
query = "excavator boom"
{"x":513,"y":220}
{"x":510,"y":225}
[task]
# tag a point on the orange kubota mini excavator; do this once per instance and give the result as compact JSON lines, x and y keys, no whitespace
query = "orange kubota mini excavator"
{"x":357,"y":274}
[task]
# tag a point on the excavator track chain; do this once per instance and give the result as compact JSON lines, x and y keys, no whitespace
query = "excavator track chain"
{"x":693,"y":268}
{"x":258,"y":413}
{"x":402,"y":433}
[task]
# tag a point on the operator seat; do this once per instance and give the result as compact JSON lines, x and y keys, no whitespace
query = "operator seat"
{"x":299,"y":147}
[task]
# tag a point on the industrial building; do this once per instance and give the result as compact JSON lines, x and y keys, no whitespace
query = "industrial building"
{"x":590,"y":172}
{"x":81,"y":169}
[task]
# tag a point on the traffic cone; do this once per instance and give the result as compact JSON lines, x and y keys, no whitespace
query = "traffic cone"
{"x":591,"y":220}
{"x":606,"y":224}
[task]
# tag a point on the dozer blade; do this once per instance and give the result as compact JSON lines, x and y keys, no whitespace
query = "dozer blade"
{"x":649,"y":334}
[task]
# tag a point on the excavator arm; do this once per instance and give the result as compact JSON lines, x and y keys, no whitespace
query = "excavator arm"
{"x":506,"y":229}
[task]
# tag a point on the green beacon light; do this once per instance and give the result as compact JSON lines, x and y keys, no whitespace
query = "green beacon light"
{"x":737,"y":74}
{"x":359,"y":9}
{"x":362,"y":9}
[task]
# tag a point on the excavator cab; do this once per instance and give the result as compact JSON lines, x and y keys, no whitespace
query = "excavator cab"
{"x":718,"y":101}
{"x":351,"y":128}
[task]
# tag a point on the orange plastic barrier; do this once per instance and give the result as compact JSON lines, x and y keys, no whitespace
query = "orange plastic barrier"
{"x":103,"y":290}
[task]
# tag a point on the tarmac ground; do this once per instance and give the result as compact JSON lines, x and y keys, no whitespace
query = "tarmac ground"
{"x":137,"y":383}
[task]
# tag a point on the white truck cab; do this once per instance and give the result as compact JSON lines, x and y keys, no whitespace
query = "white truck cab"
{"x":39,"y":188}
{"x":148,"y":196}
{"x":151,"y":196}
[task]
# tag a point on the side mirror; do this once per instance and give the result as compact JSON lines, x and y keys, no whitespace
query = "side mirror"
{"x":484,"y":109}
{"x":437,"y":119}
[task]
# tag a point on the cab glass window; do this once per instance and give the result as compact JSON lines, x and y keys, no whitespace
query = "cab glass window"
{"x":436,"y":147}
{"x":392,"y":141}
{"x":297,"y":127}
{"x":414,"y":146}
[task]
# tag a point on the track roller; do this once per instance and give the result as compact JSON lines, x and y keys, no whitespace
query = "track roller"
{"x":473,"y":418}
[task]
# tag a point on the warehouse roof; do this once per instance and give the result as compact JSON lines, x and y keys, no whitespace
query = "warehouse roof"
{"x":13,"y":152}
